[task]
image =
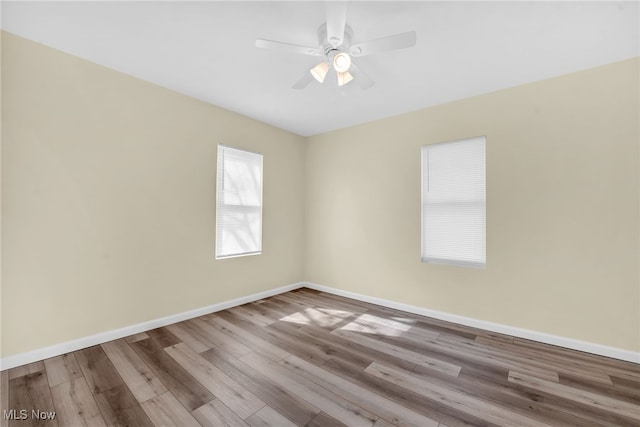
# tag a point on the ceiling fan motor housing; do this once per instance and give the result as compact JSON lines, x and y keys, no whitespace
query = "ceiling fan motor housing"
{"x":327,"y":47}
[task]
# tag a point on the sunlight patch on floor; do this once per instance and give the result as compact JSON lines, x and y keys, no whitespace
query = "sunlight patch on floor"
{"x":369,"y":324}
{"x":322,"y":317}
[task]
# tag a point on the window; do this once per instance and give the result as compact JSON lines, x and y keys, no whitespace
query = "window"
{"x":453,"y":203}
{"x":238,"y":203}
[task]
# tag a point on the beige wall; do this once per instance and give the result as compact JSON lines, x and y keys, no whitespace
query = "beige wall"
{"x":108,"y":187}
{"x":562,"y":206}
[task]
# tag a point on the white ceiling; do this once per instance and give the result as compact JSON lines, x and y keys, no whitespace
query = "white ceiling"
{"x":206,"y":50}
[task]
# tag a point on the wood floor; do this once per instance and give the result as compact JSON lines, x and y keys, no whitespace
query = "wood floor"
{"x":307,"y":358}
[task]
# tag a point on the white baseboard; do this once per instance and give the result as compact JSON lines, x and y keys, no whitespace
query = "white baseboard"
{"x":80,"y":343}
{"x":542,"y":337}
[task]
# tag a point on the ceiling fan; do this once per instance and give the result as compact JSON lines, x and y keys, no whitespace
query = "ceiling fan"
{"x":334,"y":43}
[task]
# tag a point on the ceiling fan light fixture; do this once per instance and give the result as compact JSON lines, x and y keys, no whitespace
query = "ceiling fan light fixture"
{"x":341,"y":62}
{"x":319,"y":72}
{"x":344,"y":78}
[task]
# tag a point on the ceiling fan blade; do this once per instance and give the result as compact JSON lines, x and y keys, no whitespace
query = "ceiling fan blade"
{"x":304,"y":81}
{"x":398,"y":41}
{"x":288,"y":47}
{"x":336,"y":22}
{"x":361,"y":78}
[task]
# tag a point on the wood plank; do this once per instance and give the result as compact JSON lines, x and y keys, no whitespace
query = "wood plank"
{"x":563,"y":411}
{"x":134,"y":372}
{"x":328,"y":402}
{"x":603,"y":389}
{"x":582,"y":396}
{"x":326,"y":348}
{"x":250,"y":340}
{"x":557,"y":356}
{"x":165,"y":410}
{"x":137,"y":337}
{"x":406,"y":398}
{"x":325,"y":420}
{"x":31,"y":392}
{"x":197,"y":342}
{"x":362,"y":397}
{"x":184,"y":387}
{"x":588,"y":359}
{"x":215,"y":413}
{"x":284,"y":341}
{"x":384,"y":423}
{"x":627,"y":385}
{"x":353,"y":348}
{"x":495,"y":336}
{"x":163,"y":337}
{"x":270,"y":309}
{"x":491,"y":384}
{"x":292,"y":301}
{"x":237,"y":398}
{"x":27,"y":369}
{"x":324,"y":300}
{"x":299,"y":411}
{"x":120,"y":408}
{"x":62,"y":368}
{"x":221,"y":340}
{"x":75,"y":405}
{"x":251,"y":315}
{"x":408,"y":355}
{"x":469,"y":356}
{"x":4,"y":397}
{"x":97,"y":369}
{"x":524,"y":358}
{"x":453,"y":398}
{"x":282,"y":307}
{"x":268,"y":417}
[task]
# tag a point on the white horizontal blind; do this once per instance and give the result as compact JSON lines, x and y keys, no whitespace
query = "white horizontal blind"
{"x":238,"y":203}
{"x":454,"y":203}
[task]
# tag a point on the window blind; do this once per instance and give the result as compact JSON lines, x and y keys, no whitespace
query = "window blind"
{"x":238,"y":203}
{"x":454,"y":203}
